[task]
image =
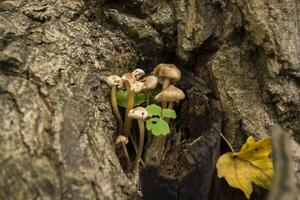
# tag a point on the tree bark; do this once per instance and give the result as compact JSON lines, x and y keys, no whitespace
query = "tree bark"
{"x":241,"y":73}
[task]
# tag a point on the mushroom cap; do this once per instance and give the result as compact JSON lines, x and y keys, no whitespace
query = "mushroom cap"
{"x":150,"y":82}
{"x":167,"y":71}
{"x":137,"y":86}
{"x":128,"y":77}
{"x":138,"y":113}
{"x":138,"y":73}
{"x":114,"y":80}
{"x":170,"y":94}
{"x":121,"y":139}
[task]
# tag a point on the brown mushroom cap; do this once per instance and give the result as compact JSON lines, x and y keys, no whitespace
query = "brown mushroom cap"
{"x":138,"y":113}
{"x":171,"y":94}
{"x":138,"y":73}
{"x":150,"y":82}
{"x":121,"y":139}
{"x":128,"y":77}
{"x":136,"y":86}
{"x":114,"y":80}
{"x":167,"y":71}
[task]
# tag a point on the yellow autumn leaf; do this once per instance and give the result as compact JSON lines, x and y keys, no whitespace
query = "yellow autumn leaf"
{"x":250,"y":165}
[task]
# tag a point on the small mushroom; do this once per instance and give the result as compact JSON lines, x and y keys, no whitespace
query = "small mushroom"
{"x":150,"y":83}
{"x":168,"y":73}
{"x":128,"y":77}
{"x":121,"y":139}
{"x":137,"y":86}
{"x":138,"y":73}
{"x":140,"y":114}
{"x":115,"y":81}
{"x":171,"y":94}
{"x":133,"y":86}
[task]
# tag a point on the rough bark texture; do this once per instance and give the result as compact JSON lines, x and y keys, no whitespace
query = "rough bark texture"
{"x":56,"y":124}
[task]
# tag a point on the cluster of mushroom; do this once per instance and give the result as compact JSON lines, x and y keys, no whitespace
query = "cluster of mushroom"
{"x":166,"y":74}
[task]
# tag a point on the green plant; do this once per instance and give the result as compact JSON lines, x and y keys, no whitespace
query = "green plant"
{"x":139,"y":98}
{"x":157,"y":124}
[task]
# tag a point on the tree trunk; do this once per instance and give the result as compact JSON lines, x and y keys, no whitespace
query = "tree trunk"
{"x":241,"y":74}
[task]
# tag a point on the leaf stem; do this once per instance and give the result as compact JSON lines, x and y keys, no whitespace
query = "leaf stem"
{"x":228,"y":143}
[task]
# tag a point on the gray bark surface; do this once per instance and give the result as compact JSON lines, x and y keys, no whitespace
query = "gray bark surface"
{"x":56,"y":124}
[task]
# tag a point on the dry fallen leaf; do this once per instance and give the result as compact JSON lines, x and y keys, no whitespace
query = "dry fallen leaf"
{"x":250,"y":165}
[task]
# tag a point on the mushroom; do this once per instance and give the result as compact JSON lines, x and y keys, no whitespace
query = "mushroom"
{"x":121,"y":139}
{"x":168,"y":73}
{"x":140,"y":114}
{"x":171,"y":94}
{"x":115,"y":81}
{"x":138,"y":73}
{"x":132,"y":86}
{"x":128,"y":77}
{"x":150,"y":82}
{"x":137,"y":86}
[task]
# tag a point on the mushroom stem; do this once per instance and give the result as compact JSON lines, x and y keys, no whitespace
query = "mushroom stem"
{"x":133,"y":142}
{"x":130,"y":104}
{"x":166,"y":83}
{"x":115,"y":106}
{"x":171,"y":105}
{"x":123,"y":140}
{"x":147,"y":97}
{"x":126,"y":154}
{"x":141,"y":143}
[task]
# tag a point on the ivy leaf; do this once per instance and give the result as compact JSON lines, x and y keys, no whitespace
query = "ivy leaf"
{"x":139,"y":98}
{"x":250,"y":165}
{"x":168,"y":113}
{"x":157,"y":126}
{"x":154,"y":110}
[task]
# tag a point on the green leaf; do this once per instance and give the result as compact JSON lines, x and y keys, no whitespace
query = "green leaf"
{"x":139,"y":98}
{"x":154,"y":110}
{"x":122,"y":98}
{"x":157,"y":126}
{"x":168,"y":113}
